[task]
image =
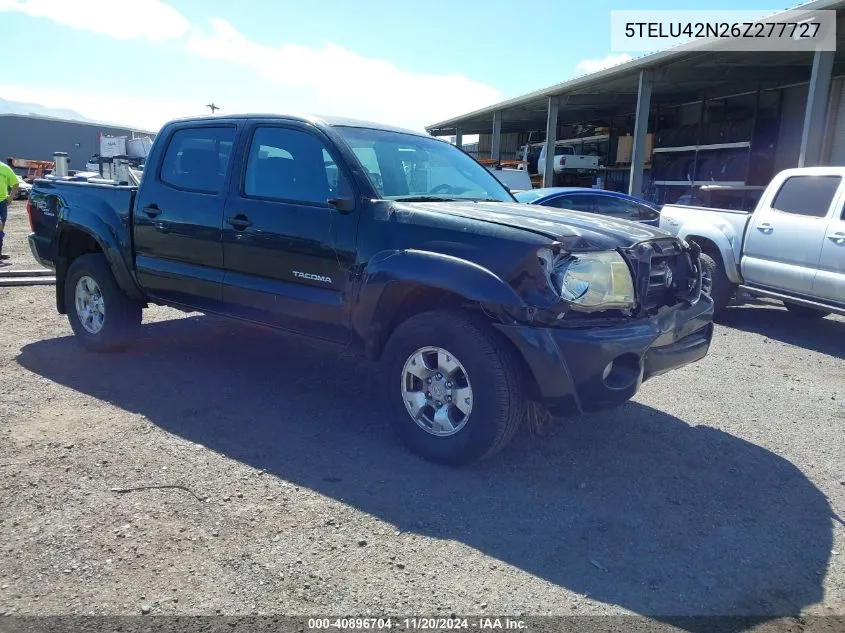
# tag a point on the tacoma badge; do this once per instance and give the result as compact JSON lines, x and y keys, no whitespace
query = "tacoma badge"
{"x":312,"y":276}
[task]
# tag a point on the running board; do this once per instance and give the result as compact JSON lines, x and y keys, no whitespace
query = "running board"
{"x":6,"y":282}
{"x":807,"y":303}
{"x":39,"y":272}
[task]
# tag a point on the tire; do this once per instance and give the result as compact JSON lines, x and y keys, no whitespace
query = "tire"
{"x":719,"y":285}
{"x":804,"y":312}
{"x":121,"y":316}
{"x":492,"y":371}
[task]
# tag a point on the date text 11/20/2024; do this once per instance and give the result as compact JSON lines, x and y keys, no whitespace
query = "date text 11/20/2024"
{"x":417,"y":624}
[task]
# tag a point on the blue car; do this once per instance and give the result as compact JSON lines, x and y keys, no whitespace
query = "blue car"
{"x":610,"y":203}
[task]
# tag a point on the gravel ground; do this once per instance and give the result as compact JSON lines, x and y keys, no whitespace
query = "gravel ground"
{"x":718,"y":490}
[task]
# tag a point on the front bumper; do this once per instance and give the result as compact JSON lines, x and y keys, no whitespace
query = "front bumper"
{"x":587,"y":369}
{"x":40,"y":249}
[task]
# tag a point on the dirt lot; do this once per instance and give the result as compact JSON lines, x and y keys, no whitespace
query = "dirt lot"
{"x":719,"y":490}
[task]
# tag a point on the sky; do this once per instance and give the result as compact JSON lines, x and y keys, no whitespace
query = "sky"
{"x":143,"y":62}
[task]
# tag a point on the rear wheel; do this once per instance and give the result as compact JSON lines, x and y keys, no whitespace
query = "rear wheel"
{"x":804,"y":312}
{"x":455,"y":389}
{"x":715,"y":283}
{"x":102,"y":317}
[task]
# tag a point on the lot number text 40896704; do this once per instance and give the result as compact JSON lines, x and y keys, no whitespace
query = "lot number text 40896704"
{"x":417,"y":624}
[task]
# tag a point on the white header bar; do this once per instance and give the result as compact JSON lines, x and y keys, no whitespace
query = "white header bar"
{"x":741,"y":30}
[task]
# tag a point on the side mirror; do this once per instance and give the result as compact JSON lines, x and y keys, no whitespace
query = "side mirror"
{"x":343,"y":205}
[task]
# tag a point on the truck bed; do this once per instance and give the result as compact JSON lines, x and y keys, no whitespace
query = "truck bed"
{"x":708,"y":223}
{"x":74,"y":202}
{"x":670,"y":213}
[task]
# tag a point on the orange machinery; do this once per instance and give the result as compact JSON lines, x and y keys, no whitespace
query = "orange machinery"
{"x":34,"y":168}
{"x":505,"y":164}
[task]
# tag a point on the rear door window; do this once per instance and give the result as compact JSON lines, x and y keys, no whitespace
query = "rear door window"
{"x":810,"y":196}
{"x":197,"y":159}
{"x":627,"y":209}
{"x":576,"y":202}
{"x":645,"y":212}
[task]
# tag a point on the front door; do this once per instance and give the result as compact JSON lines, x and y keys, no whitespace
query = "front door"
{"x":288,"y":253}
{"x":178,"y":218}
{"x":830,"y":279}
{"x":784,"y":238}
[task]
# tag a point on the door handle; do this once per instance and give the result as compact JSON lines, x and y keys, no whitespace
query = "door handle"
{"x":239,"y":222}
{"x":837,"y":238}
{"x":152,"y":210}
{"x":765,"y":228}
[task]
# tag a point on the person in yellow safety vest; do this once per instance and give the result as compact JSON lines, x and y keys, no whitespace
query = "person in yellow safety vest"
{"x":8,"y":189}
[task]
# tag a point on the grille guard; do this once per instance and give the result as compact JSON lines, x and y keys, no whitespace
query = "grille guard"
{"x":680,"y":277}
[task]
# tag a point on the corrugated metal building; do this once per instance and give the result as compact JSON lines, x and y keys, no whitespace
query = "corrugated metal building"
{"x":697,"y":114}
{"x":37,"y":137}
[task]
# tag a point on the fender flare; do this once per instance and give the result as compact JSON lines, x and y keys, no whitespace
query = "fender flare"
{"x":723,"y":236}
{"x":388,"y":277}
{"x":106,"y":235}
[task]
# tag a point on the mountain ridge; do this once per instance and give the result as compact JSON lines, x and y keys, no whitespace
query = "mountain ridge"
{"x":19,"y":107}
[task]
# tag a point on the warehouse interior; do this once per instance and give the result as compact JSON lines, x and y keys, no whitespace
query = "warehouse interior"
{"x":686,"y":121}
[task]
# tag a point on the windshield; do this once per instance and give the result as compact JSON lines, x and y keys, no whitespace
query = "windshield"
{"x":527,"y":196}
{"x":408,"y":167}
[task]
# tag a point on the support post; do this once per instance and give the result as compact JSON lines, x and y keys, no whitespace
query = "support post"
{"x":496,"y":142}
{"x":815,"y":114}
{"x":551,"y":136}
{"x":699,"y":139}
{"x":635,"y":182}
{"x":459,"y":138}
{"x":751,"y":144}
{"x":832,"y":106}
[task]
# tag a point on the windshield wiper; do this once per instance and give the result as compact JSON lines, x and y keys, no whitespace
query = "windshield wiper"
{"x":424,"y":199}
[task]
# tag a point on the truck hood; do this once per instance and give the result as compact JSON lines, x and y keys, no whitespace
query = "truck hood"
{"x":574,"y":229}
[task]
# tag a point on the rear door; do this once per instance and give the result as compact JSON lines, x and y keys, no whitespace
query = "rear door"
{"x":783,"y":241}
{"x":287,"y":251}
{"x":829,"y":284}
{"x":177,"y":224}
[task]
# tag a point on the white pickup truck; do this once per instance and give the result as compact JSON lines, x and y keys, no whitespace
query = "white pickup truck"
{"x":567,"y":160}
{"x":790,"y":248}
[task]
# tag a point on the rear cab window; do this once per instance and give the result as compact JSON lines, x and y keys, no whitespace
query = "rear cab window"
{"x":809,"y":196}
{"x":197,"y":159}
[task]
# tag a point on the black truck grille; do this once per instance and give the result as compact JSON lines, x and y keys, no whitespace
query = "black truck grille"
{"x":659,"y":275}
{"x":665,"y":273}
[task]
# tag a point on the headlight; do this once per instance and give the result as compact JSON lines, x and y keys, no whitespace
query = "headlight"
{"x":590,"y":281}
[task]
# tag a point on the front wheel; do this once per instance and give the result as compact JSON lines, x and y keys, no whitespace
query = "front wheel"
{"x":715,"y":283}
{"x":102,"y":317}
{"x":456,"y":391}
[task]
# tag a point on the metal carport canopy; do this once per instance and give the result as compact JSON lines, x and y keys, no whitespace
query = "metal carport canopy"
{"x":681,"y":74}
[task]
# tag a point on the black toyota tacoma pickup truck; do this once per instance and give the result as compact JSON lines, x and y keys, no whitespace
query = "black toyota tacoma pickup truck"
{"x":388,"y":240}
